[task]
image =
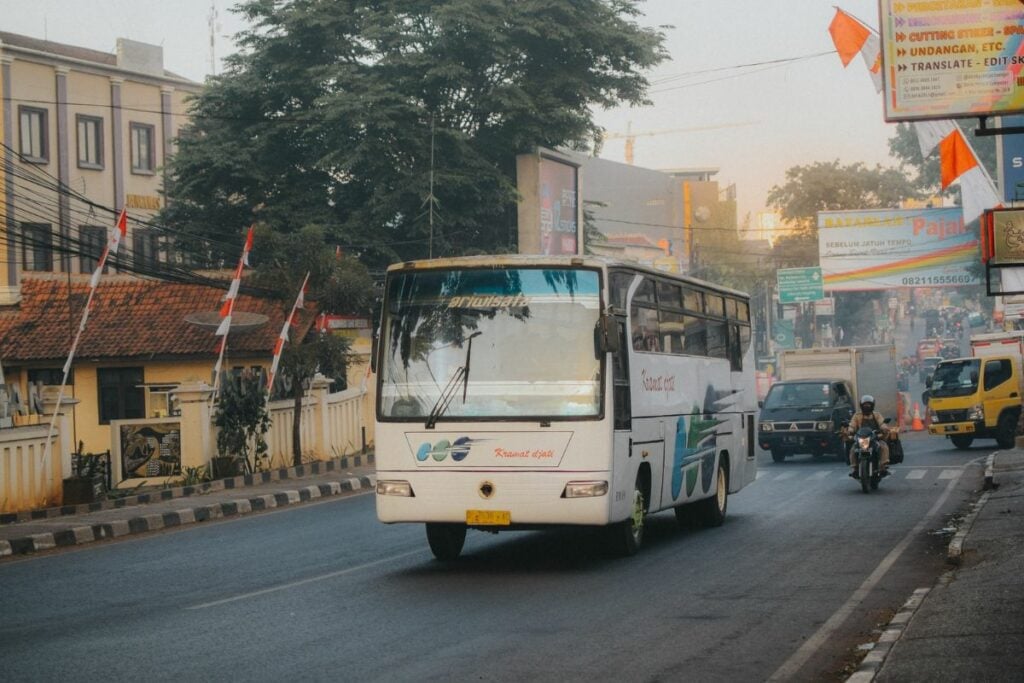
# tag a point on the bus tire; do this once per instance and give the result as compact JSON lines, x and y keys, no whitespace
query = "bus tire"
{"x":446,"y":540}
{"x":711,"y":511}
{"x":962,"y":441}
{"x":1006,"y":430}
{"x":627,"y":536}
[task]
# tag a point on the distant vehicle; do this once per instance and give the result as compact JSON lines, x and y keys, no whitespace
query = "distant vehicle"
{"x":928,"y":367}
{"x":805,"y":416}
{"x":975,"y":319}
{"x":868,"y":369}
{"x":928,"y":347}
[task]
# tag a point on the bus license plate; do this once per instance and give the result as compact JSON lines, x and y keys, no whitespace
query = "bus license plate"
{"x":488,"y":517}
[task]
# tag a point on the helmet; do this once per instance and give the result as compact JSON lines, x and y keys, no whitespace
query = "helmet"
{"x":868,"y":401}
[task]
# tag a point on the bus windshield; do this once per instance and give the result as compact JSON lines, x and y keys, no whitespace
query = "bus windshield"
{"x":490,"y":343}
{"x":955,"y":378}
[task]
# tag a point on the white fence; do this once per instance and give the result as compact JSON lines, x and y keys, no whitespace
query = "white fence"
{"x":27,"y":478}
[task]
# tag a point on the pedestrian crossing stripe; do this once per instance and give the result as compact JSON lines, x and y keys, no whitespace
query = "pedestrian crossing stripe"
{"x":819,"y":475}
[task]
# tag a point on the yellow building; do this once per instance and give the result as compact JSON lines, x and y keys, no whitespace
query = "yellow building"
{"x":85,"y":134}
{"x":143,"y":338}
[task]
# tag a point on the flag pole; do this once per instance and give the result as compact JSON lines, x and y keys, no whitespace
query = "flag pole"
{"x":120,"y":229}
{"x":227,"y":309}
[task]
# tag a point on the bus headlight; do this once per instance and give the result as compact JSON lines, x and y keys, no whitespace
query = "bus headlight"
{"x":976,"y":413}
{"x":585,"y":489}
{"x":767,"y":427}
{"x":395,"y":488}
{"x":823,"y":426}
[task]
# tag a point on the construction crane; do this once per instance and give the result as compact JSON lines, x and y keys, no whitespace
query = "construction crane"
{"x":631,"y":137}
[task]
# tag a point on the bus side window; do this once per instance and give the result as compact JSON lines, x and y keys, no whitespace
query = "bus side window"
{"x":645,"y":329}
{"x":620,"y":383}
{"x":735,"y":349}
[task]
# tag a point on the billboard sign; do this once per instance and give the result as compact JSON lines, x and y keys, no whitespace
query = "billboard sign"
{"x":882,"y":249}
{"x":951,"y":58}
{"x":1007,"y":234}
{"x":799,"y":284}
{"x":549,"y":208}
{"x":1011,"y":149}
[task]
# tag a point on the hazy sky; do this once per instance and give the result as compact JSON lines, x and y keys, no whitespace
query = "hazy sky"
{"x":774,"y":115}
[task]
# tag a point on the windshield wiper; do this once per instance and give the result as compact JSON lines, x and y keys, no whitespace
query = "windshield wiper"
{"x":461,"y":375}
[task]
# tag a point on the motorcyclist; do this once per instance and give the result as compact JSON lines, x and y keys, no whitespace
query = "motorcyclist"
{"x":867,"y":417}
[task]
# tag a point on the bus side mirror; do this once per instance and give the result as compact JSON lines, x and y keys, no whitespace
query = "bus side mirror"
{"x":608,"y":335}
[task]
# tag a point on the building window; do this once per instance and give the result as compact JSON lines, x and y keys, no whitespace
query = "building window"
{"x":34,"y":140}
{"x":143,"y":148}
{"x":92,"y":239}
{"x":37,"y":247}
{"x":121,"y":395}
{"x":145,"y":249}
{"x":50,"y":377}
{"x":90,"y":141}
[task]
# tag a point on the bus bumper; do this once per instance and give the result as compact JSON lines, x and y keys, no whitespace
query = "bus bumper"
{"x":494,"y":499}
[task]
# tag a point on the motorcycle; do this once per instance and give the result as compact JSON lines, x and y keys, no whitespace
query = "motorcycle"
{"x":866,"y":447}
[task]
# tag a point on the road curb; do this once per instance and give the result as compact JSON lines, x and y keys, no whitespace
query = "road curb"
{"x":990,"y":483}
{"x":241,"y":481}
{"x":955,"y":551}
{"x":141,"y":524}
{"x":873,"y":661}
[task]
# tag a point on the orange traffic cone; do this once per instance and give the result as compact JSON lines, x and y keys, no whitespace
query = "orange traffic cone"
{"x":917,"y":425}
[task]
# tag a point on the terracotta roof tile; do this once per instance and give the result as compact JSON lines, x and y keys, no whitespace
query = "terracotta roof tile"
{"x":131,"y":318}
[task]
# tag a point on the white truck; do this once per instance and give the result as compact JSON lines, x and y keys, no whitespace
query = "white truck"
{"x":868,"y":369}
{"x":998,"y":344}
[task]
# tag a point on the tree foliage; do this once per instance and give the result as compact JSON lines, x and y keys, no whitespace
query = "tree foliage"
{"x":828,"y":186}
{"x":333,"y":110}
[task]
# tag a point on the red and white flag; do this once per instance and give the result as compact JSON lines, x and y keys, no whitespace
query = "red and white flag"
{"x":960,"y":164}
{"x":116,"y":236}
{"x":289,"y":321}
{"x":227,"y":308}
{"x":853,"y":38}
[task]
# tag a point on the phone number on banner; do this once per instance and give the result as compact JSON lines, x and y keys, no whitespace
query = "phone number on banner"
{"x":939,"y":280}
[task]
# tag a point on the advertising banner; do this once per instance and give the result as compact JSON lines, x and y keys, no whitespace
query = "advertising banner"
{"x":558,"y":193}
{"x":1008,"y":235}
{"x":896,"y":248}
{"x":1012,"y":152}
{"x":950,"y":58}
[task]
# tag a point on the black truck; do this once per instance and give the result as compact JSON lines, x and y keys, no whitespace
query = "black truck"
{"x":805,"y":416}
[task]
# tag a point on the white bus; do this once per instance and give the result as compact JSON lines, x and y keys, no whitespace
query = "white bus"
{"x":519,"y":392}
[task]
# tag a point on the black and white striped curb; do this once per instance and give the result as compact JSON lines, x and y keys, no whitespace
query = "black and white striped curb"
{"x":871,"y":663}
{"x":313,"y":468}
{"x":955,"y":551}
{"x":146,"y":523}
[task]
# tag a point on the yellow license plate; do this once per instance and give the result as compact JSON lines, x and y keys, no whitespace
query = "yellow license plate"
{"x":489,"y":517}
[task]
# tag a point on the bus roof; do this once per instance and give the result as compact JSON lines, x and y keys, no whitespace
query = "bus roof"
{"x":562,"y":261}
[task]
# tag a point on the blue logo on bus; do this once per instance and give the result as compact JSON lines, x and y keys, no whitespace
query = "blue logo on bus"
{"x":457,"y":449}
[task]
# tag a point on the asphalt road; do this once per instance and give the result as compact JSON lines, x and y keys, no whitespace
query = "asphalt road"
{"x":805,"y":567}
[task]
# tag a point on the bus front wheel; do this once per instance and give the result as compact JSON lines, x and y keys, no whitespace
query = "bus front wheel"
{"x":446,"y":540}
{"x":627,"y":536}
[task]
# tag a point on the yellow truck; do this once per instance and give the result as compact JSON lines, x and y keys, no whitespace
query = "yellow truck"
{"x":979,"y":397}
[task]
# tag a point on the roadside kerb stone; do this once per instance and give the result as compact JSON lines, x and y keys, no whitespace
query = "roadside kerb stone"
{"x":955,"y":551}
{"x":138,"y":524}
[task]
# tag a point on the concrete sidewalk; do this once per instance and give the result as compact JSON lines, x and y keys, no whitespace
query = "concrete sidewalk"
{"x":153,"y":510}
{"x":970,"y":625}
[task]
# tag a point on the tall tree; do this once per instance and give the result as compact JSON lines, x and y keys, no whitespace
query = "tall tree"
{"x":334,"y":110}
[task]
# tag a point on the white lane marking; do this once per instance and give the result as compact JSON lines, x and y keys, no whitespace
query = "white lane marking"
{"x":312,"y":579}
{"x":917,"y":474}
{"x":791,"y":666}
{"x":784,"y":475}
{"x":949,"y":474}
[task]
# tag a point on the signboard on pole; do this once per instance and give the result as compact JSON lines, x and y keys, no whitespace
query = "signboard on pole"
{"x":1011,"y":148}
{"x":799,"y":284}
{"x":951,"y":58}
{"x":881,"y":249}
